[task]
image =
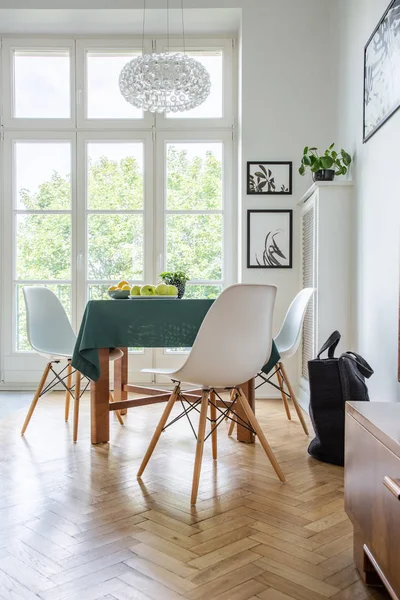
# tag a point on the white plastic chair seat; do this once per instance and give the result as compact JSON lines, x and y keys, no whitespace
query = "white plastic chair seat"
{"x":115,"y":354}
{"x":288,"y":339}
{"x":231,"y":345}
{"x":165,"y":372}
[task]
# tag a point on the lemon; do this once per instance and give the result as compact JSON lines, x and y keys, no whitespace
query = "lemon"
{"x":125,"y":287}
{"x":122,"y":283}
{"x":112,"y":288}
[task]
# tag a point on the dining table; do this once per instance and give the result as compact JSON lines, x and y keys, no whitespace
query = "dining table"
{"x":142,"y":323}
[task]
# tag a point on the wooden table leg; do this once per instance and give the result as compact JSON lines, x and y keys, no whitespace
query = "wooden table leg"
{"x":120,"y":379}
{"x":99,"y":399}
{"x":243,"y":434}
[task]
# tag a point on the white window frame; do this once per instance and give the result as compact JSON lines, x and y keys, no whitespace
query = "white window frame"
{"x":107,"y":45}
{"x":164,"y":358}
{"x":15,"y":360}
{"x":23,"y":368}
{"x":34,"y":45}
{"x":228,"y":95}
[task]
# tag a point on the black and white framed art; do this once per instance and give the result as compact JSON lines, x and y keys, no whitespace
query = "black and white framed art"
{"x":267,"y":177}
{"x":269,"y":239}
{"x":381,"y":71}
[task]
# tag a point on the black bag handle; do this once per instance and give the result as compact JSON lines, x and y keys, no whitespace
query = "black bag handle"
{"x":330,"y":345}
{"x":361,"y":363}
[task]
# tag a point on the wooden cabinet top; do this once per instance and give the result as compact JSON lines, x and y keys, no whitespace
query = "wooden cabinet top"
{"x":381,"y":419}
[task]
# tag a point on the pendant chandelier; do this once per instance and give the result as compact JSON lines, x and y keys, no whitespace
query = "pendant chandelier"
{"x":164,"y":82}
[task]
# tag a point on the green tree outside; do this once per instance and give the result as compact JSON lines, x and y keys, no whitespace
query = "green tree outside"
{"x":116,"y":242}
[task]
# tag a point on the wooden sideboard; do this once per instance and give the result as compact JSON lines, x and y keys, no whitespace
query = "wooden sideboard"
{"x":372,"y":490}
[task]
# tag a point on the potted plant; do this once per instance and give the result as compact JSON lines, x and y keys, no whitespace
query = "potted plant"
{"x":177,"y":278}
{"x":325,"y":167}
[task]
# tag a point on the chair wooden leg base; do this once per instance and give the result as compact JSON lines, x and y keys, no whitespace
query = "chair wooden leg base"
{"x":76,"y":405}
{"x":214,"y":434}
{"x":232,"y":425}
{"x":284,"y":397}
{"x":36,"y":398}
{"x":67,"y":392}
{"x":158,"y":431}
{"x":263,"y":440}
{"x":200,"y":447}
{"x":293,"y":397}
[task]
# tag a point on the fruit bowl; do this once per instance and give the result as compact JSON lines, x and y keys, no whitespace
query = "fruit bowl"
{"x":153,"y":297}
{"x":119,"y":294}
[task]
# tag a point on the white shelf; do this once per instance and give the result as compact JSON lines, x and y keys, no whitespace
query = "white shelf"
{"x":321,"y":184}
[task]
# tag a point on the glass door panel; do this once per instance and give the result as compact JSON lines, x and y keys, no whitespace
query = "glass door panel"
{"x":193,"y":232}
{"x":115,"y":223}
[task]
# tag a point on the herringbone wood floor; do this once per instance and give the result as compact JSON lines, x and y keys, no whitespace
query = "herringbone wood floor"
{"x":76,"y":524}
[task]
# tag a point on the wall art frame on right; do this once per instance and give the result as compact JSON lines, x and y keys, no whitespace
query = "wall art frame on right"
{"x":269,"y":239}
{"x":381,"y":72}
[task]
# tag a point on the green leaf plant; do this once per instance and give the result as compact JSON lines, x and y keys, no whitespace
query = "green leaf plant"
{"x":174,"y":277}
{"x":339,"y":161}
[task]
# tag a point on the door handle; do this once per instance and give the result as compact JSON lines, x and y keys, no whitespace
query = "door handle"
{"x":393,"y":485}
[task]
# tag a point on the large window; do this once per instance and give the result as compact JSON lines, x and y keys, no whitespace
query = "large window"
{"x":95,"y":191}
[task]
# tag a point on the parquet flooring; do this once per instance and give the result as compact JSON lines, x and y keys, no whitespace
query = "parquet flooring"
{"x":75,"y":524}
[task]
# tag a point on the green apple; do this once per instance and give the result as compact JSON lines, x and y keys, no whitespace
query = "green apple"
{"x":172,"y":290}
{"x":148,"y":290}
{"x":135,"y":290}
{"x":162,"y":289}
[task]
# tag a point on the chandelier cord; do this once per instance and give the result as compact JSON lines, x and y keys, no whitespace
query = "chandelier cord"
{"x":183,"y":29}
{"x":168,"y":24}
{"x":143,"y":24}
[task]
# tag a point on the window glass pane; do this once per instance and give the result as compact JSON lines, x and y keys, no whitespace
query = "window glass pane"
{"x":194,"y":176}
{"x":43,"y":175}
{"x":115,"y":247}
{"x":104,"y":100}
{"x":212,"y":60}
{"x":202,"y":291}
{"x":63,"y":293}
{"x":43,"y":247}
{"x":42,"y":84}
{"x":194,"y":244}
{"x":115,"y":175}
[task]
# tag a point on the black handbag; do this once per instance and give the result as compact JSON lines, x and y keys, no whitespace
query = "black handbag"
{"x":333,"y":382}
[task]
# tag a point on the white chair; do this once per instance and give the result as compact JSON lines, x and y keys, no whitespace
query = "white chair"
{"x":50,"y":334}
{"x":232,"y":344}
{"x":287,"y":342}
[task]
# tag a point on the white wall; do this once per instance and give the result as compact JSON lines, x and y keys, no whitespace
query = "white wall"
{"x":376,"y":174}
{"x":287,"y":102}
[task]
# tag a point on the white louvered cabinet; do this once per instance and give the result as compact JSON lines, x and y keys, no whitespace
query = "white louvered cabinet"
{"x":327,"y":253}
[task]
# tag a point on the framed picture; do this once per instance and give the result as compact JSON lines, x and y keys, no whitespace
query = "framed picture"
{"x":381,"y":71}
{"x":269,"y":239}
{"x":269,"y":177}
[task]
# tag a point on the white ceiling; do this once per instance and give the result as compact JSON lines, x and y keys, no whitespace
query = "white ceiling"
{"x":123,"y":21}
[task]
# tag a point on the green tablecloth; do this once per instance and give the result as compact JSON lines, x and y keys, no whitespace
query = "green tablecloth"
{"x":148,"y":323}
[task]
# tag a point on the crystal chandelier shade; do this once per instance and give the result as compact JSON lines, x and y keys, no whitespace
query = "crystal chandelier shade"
{"x":164,"y":82}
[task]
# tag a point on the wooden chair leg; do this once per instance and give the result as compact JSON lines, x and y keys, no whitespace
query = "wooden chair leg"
{"x":67,"y":392}
{"x":231,"y":426}
{"x":293,"y":398}
{"x":200,"y":446}
{"x":76,"y":404}
{"x":36,"y":398}
{"x":117,"y":413}
{"x":232,"y":415}
{"x":263,"y":440}
{"x":231,"y":395}
{"x":214,"y":435}
{"x":158,"y":431}
{"x":284,"y":397}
